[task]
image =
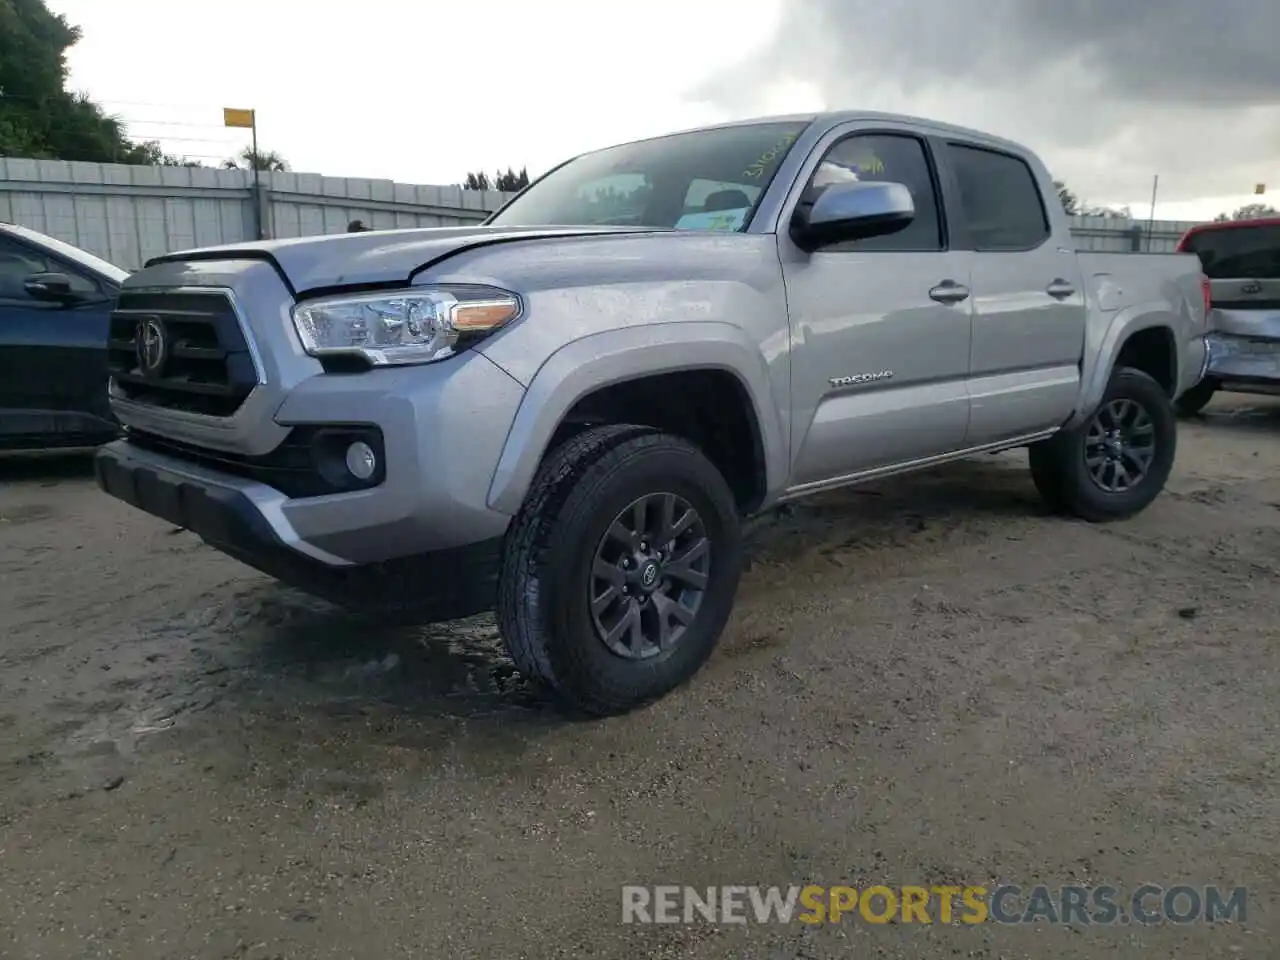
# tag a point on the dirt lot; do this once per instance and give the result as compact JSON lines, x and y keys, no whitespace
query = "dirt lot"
{"x":926,"y":682}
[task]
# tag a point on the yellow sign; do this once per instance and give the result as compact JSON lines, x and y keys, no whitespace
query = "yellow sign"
{"x":231,"y":117}
{"x":1259,"y":188}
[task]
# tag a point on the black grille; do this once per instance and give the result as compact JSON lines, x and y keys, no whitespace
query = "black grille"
{"x":207,"y":368}
{"x":307,"y":463}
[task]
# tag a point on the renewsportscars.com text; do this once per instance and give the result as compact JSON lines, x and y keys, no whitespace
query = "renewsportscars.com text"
{"x":1005,"y":904}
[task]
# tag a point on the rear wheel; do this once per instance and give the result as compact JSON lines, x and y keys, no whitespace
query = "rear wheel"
{"x":1115,"y":463}
{"x":620,"y":570}
{"x":1194,"y":400}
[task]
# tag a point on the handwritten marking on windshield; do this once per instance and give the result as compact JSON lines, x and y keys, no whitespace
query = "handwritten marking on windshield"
{"x":756,"y":169}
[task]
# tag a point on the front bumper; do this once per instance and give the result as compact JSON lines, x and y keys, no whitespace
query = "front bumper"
{"x":443,"y":427}
{"x":246,"y":521}
{"x":227,"y":511}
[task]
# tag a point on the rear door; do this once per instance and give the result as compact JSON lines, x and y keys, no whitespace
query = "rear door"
{"x":880,"y":327}
{"x":1028,"y":298}
{"x":1242,"y":261}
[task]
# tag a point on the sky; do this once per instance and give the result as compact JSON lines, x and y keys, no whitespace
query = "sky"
{"x":1109,"y":92}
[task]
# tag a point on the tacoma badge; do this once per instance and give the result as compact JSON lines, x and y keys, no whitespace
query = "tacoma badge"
{"x":861,"y":378}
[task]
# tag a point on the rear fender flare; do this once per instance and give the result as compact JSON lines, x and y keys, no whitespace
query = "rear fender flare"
{"x":1100,"y":356}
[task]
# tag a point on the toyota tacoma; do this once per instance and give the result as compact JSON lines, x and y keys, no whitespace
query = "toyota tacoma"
{"x":566,"y":413}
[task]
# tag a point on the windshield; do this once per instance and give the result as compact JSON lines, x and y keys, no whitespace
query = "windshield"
{"x":1238,"y":253}
{"x":703,"y":180}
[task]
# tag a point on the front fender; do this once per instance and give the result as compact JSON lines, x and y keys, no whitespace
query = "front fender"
{"x":628,"y":353}
{"x":1103,"y":342}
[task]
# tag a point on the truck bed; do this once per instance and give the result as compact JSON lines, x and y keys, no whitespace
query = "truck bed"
{"x":1115,"y":281}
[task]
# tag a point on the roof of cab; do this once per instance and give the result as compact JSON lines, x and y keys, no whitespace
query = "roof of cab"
{"x":833,"y":117}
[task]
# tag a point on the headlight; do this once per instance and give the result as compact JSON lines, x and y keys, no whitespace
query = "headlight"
{"x":402,"y":326}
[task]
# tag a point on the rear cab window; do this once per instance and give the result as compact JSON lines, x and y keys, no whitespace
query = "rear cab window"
{"x":1237,"y":251}
{"x":1003,"y":207}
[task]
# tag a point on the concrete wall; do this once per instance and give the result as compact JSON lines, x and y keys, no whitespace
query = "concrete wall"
{"x":1114,"y":235}
{"x":127,"y":214}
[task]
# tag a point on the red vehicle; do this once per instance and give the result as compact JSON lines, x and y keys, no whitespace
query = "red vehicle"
{"x":1241,"y":261}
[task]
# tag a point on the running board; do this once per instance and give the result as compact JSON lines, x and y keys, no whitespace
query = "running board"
{"x":876,"y":473}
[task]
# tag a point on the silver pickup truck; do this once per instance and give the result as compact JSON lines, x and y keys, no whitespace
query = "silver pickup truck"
{"x":566,"y":413}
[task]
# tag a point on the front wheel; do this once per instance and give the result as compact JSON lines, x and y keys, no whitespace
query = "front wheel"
{"x":620,"y":570}
{"x":1115,"y":463}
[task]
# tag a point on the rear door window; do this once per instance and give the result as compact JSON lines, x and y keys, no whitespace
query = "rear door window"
{"x":1002,"y":205}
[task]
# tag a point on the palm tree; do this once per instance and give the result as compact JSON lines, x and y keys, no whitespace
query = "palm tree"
{"x":267,"y":160}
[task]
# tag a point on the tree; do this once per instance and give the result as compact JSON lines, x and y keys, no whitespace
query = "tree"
{"x":1250,"y":211}
{"x":1075,"y":207}
{"x":267,"y":161}
{"x":510,"y":182}
{"x":39,"y":117}
{"x":1070,"y":202}
{"x":153,"y":155}
{"x":1110,"y":213}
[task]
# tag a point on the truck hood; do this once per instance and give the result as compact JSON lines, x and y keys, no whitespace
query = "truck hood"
{"x":381,"y":256}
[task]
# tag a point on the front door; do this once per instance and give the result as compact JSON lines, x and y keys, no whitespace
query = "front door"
{"x":53,"y":374}
{"x":880,"y":327}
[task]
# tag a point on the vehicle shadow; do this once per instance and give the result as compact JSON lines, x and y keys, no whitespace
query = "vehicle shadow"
{"x":284,"y":643}
{"x":1240,"y":413}
{"x":46,"y":468}
{"x":896,"y":510}
{"x":287,"y":647}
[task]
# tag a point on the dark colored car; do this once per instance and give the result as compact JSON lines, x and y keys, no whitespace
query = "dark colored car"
{"x":55,"y":307}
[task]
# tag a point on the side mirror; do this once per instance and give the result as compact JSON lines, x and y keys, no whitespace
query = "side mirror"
{"x":51,"y":287}
{"x":852,"y":211}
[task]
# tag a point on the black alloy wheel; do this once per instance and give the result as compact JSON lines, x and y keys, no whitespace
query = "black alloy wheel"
{"x":649,"y":576}
{"x":1115,"y":463}
{"x":1119,"y":445}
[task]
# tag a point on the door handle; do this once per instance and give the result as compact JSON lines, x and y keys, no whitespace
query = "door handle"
{"x":1060,"y":289}
{"x":948,"y":291}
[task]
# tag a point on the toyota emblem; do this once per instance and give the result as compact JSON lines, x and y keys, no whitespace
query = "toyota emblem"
{"x":151,"y":345}
{"x":1252,"y":287}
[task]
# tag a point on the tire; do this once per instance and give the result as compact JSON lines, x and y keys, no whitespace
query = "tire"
{"x":1069,"y":485}
{"x":1194,"y":400}
{"x":549,"y":569}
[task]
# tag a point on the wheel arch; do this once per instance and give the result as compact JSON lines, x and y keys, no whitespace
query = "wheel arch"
{"x":613,"y":363}
{"x":1141,"y":336}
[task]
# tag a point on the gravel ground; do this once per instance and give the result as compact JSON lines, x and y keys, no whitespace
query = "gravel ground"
{"x":926,"y":681}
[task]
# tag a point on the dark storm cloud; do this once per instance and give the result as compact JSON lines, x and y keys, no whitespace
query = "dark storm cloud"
{"x":1110,"y":91}
{"x":1206,"y":52}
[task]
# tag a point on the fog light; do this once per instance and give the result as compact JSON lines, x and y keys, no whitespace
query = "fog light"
{"x":361,"y":460}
